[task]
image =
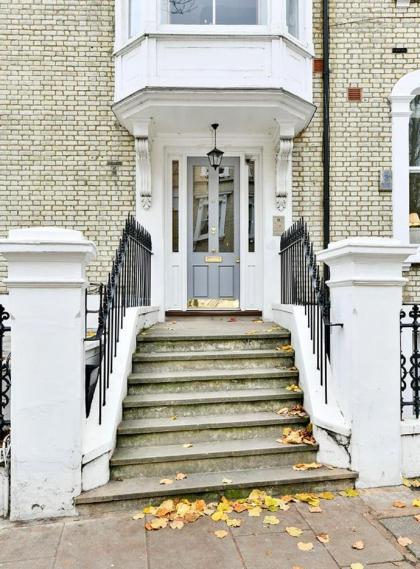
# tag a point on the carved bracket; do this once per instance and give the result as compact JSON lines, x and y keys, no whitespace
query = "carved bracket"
{"x":283,"y":171}
{"x":144,"y":174}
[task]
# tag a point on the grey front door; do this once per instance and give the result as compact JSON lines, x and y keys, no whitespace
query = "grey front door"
{"x":213,"y":234}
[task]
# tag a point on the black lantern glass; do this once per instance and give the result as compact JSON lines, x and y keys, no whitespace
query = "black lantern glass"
{"x":215,"y":156}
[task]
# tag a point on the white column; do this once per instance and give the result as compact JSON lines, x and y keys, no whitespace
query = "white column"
{"x":366,"y":296}
{"x":400,"y":166}
{"x":46,"y":282}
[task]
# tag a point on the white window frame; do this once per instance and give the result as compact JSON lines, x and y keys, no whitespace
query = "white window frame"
{"x":402,"y":94}
{"x":214,"y":18}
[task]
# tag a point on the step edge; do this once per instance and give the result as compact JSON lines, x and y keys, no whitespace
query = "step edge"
{"x":264,"y":373}
{"x":130,"y":404}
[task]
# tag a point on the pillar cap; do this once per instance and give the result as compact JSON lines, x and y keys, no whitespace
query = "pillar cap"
{"x":367,"y":246}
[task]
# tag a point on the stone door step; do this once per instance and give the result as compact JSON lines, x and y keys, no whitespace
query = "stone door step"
{"x":210,"y":374}
{"x":221,"y":355}
{"x":209,"y":335}
{"x":149,"y":490}
{"x":197,"y":423}
{"x":204,"y":397}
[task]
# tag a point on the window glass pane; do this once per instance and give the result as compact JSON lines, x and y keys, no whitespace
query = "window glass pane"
{"x":175,"y":206}
{"x":415,"y":207}
{"x":226,"y":210}
{"x":196,"y":12}
{"x":251,"y":206}
{"x":415,"y":132}
{"x":235,"y":12}
{"x":292,"y":17}
{"x":201,"y":209}
{"x":133,"y":18}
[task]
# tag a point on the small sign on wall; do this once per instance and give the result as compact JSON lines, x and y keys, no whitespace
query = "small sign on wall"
{"x":278,"y":225}
{"x":385,"y":180}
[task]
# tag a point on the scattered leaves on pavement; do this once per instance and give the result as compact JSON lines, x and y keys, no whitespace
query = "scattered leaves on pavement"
{"x":294,"y":532}
{"x":349,"y":493}
{"x":411,"y":483}
{"x":326,"y":496}
{"x":305,"y":546}
{"x":157,"y":523}
{"x":359,"y":545}
{"x":310,"y":466}
{"x":221,"y":533}
{"x":404,"y":541}
{"x":255,"y":512}
{"x":311,"y":499}
{"x":233,"y":523}
{"x":176,"y":524}
{"x":398,"y":504}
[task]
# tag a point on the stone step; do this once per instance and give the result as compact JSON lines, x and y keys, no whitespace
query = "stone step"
{"x":153,"y":342}
{"x":211,"y":380}
{"x":182,"y":404}
{"x":166,"y":461}
{"x":155,"y":362}
{"x":136,"y":493}
{"x":151,"y":432}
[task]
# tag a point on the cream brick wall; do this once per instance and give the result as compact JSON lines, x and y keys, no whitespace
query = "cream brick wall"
{"x":363,"y":33}
{"x":58,"y":130}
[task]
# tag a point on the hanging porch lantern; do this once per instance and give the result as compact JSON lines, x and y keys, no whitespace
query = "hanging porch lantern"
{"x":215,"y":156}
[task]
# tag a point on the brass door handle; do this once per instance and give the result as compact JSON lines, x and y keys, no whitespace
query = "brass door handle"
{"x":238,"y":260}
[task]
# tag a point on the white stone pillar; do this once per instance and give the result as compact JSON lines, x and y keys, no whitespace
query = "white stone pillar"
{"x":46,"y":283}
{"x":366,"y":296}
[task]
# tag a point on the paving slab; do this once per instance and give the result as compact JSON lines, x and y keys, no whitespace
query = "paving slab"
{"x":397,"y":565}
{"x":31,"y":542}
{"x":192,"y":547}
{"x":116,"y":542}
{"x":255,"y":526}
{"x":405,"y":527}
{"x":29,"y":564}
{"x":280,"y":551}
{"x":345,"y":525}
{"x":381,"y":500}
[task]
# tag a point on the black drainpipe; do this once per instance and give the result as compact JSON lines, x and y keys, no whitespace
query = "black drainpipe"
{"x":326,"y":121}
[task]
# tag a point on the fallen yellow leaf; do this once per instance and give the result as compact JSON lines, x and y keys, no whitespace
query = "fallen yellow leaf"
{"x":416,"y":502}
{"x":310,"y":466}
{"x":326,"y":496}
{"x":293,"y":387}
{"x":219,"y":516}
{"x":357,"y":566}
{"x":157,"y":523}
{"x":398,"y":504}
{"x":221,"y":534}
{"x":359,"y":545}
{"x":239,"y":507}
{"x":349,"y":493}
{"x":310,"y":499}
{"x":417,"y":518}
{"x":254,"y":512}
{"x":139,"y":516}
{"x":233,"y":522}
{"x":176,"y":524}
{"x":323,"y":537}
{"x":150,"y":510}
{"x":165,"y":508}
{"x":187,"y":445}
{"x":404,"y":541}
{"x":180,"y":476}
{"x":226,"y":481}
{"x":166,"y":481}
{"x":294,"y":532}
{"x":305,"y":546}
{"x":315,"y":510}
{"x":271,"y":521}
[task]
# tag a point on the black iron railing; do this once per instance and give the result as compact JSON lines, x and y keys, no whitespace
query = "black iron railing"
{"x":302,"y":284}
{"x":410,"y":358}
{"x":5,"y":375}
{"x":128,"y":285}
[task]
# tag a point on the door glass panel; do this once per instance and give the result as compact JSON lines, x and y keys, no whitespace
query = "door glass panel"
{"x":175,"y":206}
{"x":226,"y":210}
{"x":237,"y":12}
{"x":192,"y":12}
{"x":200,"y":209}
{"x":251,"y":206}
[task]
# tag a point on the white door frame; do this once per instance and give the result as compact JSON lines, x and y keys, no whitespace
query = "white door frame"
{"x":176,"y":264}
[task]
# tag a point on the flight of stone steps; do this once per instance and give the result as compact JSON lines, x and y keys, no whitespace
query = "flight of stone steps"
{"x":202,"y":401}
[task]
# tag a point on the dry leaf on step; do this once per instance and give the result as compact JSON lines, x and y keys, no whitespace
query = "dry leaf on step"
{"x":398,"y":504}
{"x":417,"y":518}
{"x":239,"y":507}
{"x":176,"y":524}
{"x":359,"y":545}
{"x":349,"y":493}
{"x":315,"y":510}
{"x":271,"y":521}
{"x":323,"y":537}
{"x":310,"y":466}
{"x":221,"y":533}
{"x":294,"y":532}
{"x":283,"y":411}
{"x":404,"y":541}
{"x":180,"y":476}
{"x":187,"y":445}
{"x":139,"y":516}
{"x":305,"y":546}
{"x":157,"y":523}
{"x":233,"y":522}
{"x":166,"y":481}
{"x":416,"y":503}
{"x":295,"y":388}
{"x":326,"y":496}
{"x":254,"y":512}
{"x":226,"y":481}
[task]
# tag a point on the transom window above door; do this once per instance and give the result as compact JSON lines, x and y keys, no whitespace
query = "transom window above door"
{"x":214,"y":12}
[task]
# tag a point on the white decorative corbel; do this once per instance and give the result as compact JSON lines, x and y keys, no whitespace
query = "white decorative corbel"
{"x":283,"y":171}
{"x":144,"y":175}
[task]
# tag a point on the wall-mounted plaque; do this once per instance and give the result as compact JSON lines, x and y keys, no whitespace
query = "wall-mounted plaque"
{"x":386,"y":180}
{"x":278,"y":225}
